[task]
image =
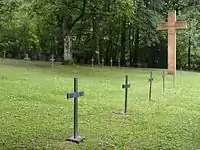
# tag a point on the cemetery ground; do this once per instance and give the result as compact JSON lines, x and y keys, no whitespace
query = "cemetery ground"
{"x":35,"y":113}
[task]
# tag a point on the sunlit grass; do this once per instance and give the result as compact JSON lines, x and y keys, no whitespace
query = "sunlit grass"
{"x":36,"y":114}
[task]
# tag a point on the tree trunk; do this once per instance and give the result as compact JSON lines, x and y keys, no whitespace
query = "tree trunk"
{"x":130,"y":45}
{"x":136,"y":46}
{"x":96,"y":37}
{"x":67,"y":47}
{"x":123,"y":41}
{"x":59,"y":36}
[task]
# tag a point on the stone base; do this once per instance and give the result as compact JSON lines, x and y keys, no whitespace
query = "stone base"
{"x":77,"y":140}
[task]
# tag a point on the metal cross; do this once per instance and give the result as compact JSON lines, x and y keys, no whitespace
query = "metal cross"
{"x":119,"y":63}
{"x":52,"y":61}
{"x":126,"y":86}
{"x":163,"y":77}
{"x":26,"y":58}
{"x":75,"y":138}
{"x":150,"y":84}
{"x":4,"y":55}
{"x":92,"y":60}
{"x":174,"y":76}
{"x":111,"y":61}
{"x":102,"y":63}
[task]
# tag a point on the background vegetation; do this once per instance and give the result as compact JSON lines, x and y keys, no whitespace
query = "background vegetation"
{"x":79,"y":29}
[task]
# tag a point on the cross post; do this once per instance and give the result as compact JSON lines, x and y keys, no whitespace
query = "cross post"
{"x":75,"y":138}
{"x":119,"y":62}
{"x":52,"y":61}
{"x":111,"y":61}
{"x":163,"y":77}
{"x":26,"y":58}
{"x":4,"y":55}
{"x":92,"y":60}
{"x":150,"y":84}
{"x":174,"y":82}
{"x":102,"y":63}
{"x":172,"y":26}
{"x":126,"y":86}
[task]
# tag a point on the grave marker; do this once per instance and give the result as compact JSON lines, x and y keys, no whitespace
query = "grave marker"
{"x":92,"y":60}
{"x":102,"y":63}
{"x":119,"y":63}
{"x":126,"y":86}
{"x":75,"y":138}
{"x":4,"y":55}
{"x":26,"y":58}
{"x":150,"y":84}
{"x":111,"y":61}
{"x":174,"y":81}
{"x":52,"y":61}
{"x":172,"y":26}
{"x":163,"y":77}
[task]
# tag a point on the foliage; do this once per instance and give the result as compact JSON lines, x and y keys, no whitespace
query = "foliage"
{"x":111,"y":28}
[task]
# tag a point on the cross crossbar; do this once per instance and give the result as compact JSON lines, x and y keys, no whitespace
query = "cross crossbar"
{"x":126,"y":86}
{"x":75,"y":95}
{"x":177,"y":25}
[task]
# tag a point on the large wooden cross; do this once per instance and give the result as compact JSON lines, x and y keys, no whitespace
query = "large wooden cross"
{"x":171,"y":26}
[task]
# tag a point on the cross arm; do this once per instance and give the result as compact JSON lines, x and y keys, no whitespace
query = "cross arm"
{"x":126,"y":86}
{"x":176,"y":25}
{"x":75,"y":95}
{"x":162,"y":26}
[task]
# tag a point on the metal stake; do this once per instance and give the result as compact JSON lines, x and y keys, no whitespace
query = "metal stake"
{"x":126,"y":86}
{"x":111,"y":62}
{"x":75,"y":95}
{"x":163,"y":76}
{"x":150,"y":81}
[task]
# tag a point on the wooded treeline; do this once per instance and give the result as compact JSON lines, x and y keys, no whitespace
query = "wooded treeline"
{"x":76,"y":30}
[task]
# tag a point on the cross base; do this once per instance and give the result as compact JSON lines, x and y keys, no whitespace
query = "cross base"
{"x":123,"y":113}
{"x":77,"y":140}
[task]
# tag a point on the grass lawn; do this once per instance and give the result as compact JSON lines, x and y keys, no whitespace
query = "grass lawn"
{"x":36,"y":114}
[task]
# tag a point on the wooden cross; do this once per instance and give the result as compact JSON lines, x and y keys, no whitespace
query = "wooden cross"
{"x":172,"y":26}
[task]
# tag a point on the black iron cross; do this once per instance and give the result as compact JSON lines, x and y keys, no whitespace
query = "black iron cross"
{"x":150,"y":83}
{"x":4,"y":55}
{"x":92,"y":60}
{"x":102,"y":63}
{"x":75,"y":138}
{"x":174,"y":76}
{"x":26,"y":58}
{"x":52,"y":59}
{"x":119,"y":63}
{"x":111,"y":61}
{"x":163,"y":77}
{"x":126,"y":86}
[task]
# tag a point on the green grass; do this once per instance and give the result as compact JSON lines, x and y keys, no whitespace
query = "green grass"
{"x":36,"y":114}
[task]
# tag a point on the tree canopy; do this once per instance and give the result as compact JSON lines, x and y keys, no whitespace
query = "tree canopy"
{"x":76,"y":30}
